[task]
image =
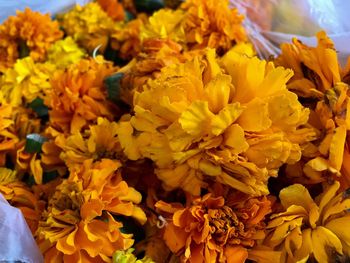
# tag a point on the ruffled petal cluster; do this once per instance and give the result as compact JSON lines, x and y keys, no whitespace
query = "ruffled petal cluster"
{"x":27,"y":33}
{"x":308,"y":228}
{"x":210,"y":119}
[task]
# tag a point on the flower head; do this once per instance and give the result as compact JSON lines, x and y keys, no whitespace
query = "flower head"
{"x":309,"y":228}
{"x":79,"y":224}
{"x":89,"y":25}
{"x":25,"y":82}
{"x":113,"y":8}
{"x":211,"y":23}
{"x":65,"y":52}
{"x":8,"y":136}
{"x":78,"y":95}
{"x":209,"y":119}
{"x":215,"y":229}
{"x":27,"y":30}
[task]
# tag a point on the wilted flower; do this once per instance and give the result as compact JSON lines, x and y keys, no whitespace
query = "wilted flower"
{"x":89,"y":25}
{"x":310,"y":228}
{"x":27,"y":32}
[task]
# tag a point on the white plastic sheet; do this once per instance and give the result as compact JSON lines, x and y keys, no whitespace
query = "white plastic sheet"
{"x":16,"y":241}
{"x":281,"y":20}
{"x":9,"y":7}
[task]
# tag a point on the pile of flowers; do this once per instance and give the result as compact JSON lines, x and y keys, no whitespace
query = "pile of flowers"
{"x":134,"y":132}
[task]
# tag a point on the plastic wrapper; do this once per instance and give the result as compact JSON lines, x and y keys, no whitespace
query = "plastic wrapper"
{"x":9,"y":7}
{"x":270,"y":23}
{"x":16,"y":241}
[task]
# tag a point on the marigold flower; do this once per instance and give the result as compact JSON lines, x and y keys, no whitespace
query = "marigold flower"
{"x":155,"y":54}
{"x":78,"y":224}
{"x":128,"y":256}
{"x":89,"y":25}
{"x":316,"y":69}
{"x":8,"y":137}
{"x":310,"y":228}
{"x":98,"y":142}
{"x":78,"y":95}
{"x":200,"y":120}
{"x":25,"y":82}
{"x":165,"y":24}
{"x":113,"y":8}
{"x":19,"y":195}
{"x":215,"y":229}
{"x":32,"y":30}
{"x":126,"y":38}
{"x":318,"y":76}
{"x":65,"y":52}
{"x":211,"y":23}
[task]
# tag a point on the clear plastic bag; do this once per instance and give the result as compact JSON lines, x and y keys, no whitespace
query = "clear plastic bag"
{"x":16,"y":241}
{"x":9,"y":7}
{"x":272,"y":22}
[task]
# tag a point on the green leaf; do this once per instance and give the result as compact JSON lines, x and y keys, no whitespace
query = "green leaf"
{"x":49,"y":176}
{"x":148,"y":6}
{"x":38,"y":106}
{"x":34,"y":143}
{"x":23,"y":49}
{"x":113,"y":86}
{"x":128,"y":16}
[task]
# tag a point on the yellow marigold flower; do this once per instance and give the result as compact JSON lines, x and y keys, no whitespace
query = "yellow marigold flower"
{"x":78,"y":224}
{"x":316,"y":69}
{"x":25,"y":82}
{"x":310,"y":229}
{"x":231,"y":120}
{"x":211,"y":23}
{"x":89,"y":25}
{"x":19,"y":195}
{"x":98,"y":142}
{"x":78,"y":95}
{"x":215,"y":229}
{"x":30,"y":30}
{"x":165,"y":23}
{"x":8,"y":137}
{"x":65,"y":52}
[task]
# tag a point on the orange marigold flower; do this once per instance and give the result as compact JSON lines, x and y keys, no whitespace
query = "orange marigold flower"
{"x":27,"y":30}
{"x":155,"y":54}
{"x":113,"y":8}
{"x":19,"y":195}
{"x":78,"y":224}
{"x":215,"y":229}
{"x":8,"y":137}
{"x":308,"y":228}
{"x":98,"y":142}
{"x":211,"y":23}
{"x":79,"y":96}
{"x":126,"y":38}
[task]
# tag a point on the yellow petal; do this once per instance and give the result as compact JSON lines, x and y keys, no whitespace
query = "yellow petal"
{"x":196,"y":119}
{"x":218,"y":92}
{"x":255,"y":117}
{"x":339,"y":227}
{"x":235,"y":254}
{"x":336,"y":149}
{"x":234,"y":138}
{"x":323,"y":239}
{"x":225,"y":118}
